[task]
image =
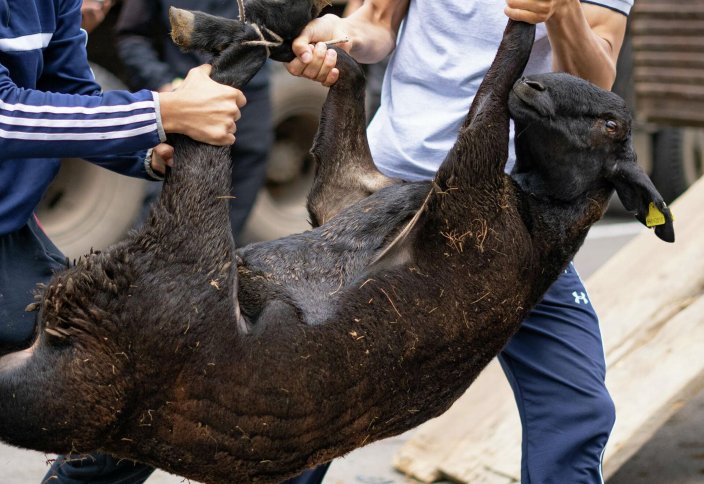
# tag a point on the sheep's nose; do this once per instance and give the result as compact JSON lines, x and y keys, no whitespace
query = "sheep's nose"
{"x":534,"y":84}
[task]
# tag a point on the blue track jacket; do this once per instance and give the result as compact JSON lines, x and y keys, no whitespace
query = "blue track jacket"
{"x":51,"y":107}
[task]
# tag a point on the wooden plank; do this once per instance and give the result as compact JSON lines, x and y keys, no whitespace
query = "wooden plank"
{"x":667,"y":35}
{"x":644,"y":283}
{"x":685,"y":43}
{"x":673,"y":59}
{"x":654,"y":379}
{"x":650,"y":298}
{"x":665,"y":26}
{"x":678,"y":112}
{"x":668,"y":9}
{"x":675,"y":75}
{"x":687,"y":116}
{"x":679,"y":91}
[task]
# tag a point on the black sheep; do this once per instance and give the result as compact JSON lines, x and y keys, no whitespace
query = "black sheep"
{"x":173,"y":350}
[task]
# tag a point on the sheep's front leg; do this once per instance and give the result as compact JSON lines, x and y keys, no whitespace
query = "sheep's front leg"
{"x":345,"y":172}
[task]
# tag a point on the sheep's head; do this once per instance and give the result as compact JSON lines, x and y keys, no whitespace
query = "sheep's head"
{"x":577,"y":136}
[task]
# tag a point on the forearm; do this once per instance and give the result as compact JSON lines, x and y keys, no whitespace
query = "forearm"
{"x":39,"y":124}
{"x":129,"y":164}
{"x":586,"y":41}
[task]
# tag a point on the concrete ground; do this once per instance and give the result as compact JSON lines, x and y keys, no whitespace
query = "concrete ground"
{"x":674,"y":456}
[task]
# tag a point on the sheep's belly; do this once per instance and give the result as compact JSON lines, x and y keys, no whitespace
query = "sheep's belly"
{"x":302,"y":274}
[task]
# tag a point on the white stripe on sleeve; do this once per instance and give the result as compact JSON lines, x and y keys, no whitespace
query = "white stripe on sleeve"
{"x":120,"y":108}
{"x":76,"y":136}
{"x":76,"y":123}
{"x":25,"y":43}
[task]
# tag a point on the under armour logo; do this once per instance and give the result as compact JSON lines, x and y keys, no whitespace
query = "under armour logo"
{"x":580,"y":297}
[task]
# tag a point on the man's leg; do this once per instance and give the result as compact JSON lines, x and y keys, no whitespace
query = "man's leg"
{"x":103,"y":469}
{"x":27,"y":257}
{"x":96,"y":469}
{"x":555,"y":365}
{"x":311,"y":476}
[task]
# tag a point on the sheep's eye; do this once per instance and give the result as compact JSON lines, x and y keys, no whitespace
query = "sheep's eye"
{"x":611,"y":125}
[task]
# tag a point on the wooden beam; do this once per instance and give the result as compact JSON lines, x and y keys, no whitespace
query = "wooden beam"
{"x":650,"y":299}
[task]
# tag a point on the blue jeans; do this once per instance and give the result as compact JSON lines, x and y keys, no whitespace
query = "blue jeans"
{"x":555,"y":365}
{"x":104,"y":469}
{"x":27,"y":257}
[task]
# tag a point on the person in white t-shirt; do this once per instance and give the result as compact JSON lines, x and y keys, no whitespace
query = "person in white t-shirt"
{"x":441,"y":52}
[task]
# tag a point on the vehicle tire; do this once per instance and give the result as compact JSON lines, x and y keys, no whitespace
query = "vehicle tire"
{"x":280,"y":209}
{"x":678,"y":156}
{"x":87,"y":206}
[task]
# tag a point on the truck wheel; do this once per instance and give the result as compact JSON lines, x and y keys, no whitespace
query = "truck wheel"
{"x":280,"y":208}
{"x":678,"y":159}
{"x":87,"y":206}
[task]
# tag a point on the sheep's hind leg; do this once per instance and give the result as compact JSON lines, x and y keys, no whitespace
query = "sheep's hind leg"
{"x":345,"y":172}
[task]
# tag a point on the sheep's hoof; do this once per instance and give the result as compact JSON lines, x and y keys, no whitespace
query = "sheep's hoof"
{"x":182,"y":22}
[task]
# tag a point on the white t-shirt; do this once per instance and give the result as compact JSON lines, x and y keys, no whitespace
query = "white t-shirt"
{"x":444,"y":49}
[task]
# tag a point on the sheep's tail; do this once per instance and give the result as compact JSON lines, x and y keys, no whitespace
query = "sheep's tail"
{"x":481,"y":150}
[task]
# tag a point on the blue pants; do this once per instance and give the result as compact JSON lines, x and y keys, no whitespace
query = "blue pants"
{"x":555,"y":365}
{"x":27,"y":257}
{"x":104,"y":469}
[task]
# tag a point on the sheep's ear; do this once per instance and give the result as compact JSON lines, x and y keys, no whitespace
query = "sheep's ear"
{"x":639,"y":195}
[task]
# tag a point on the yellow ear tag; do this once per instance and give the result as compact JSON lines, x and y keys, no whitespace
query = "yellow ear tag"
{"x":654,"y":217}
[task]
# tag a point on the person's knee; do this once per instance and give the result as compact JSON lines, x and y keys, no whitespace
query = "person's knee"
{"x":604,"y":412}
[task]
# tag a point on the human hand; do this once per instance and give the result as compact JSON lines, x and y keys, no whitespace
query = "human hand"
{"x":93,"y":13}
{"x":534,"y":11}
{"x":314,"y":60}
{"x":162,"y":156}
{"x":202,"y":108}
